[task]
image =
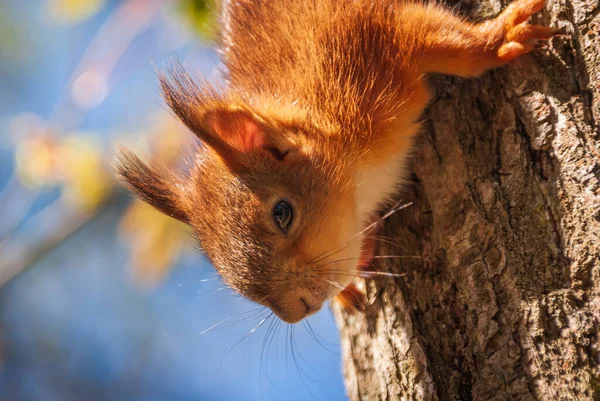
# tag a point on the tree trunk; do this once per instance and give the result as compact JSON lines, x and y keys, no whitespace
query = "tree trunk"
{"x":501,"y":298}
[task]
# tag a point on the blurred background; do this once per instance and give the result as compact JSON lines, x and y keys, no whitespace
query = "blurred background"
{"x":101,"y":297}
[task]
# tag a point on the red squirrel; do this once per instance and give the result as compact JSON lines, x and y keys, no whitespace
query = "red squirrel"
{"x":310,"y":136}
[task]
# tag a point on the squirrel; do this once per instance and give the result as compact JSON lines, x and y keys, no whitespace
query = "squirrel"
{"x":310,"y":136}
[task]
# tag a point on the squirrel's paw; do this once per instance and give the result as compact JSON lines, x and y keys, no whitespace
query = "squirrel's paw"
{"x":351,"y":299}
{"x":519,"y":36}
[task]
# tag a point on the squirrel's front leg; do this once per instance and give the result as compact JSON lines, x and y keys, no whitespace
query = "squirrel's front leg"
{"x":456,"y":47}
{"x":352,"y":298}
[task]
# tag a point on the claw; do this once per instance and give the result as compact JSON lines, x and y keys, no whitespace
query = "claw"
{"x":560,"y":32}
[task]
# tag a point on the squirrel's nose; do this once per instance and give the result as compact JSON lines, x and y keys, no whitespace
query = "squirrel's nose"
{"x":294,"y":306}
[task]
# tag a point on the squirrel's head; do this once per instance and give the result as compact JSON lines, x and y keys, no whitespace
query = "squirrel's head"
{"x":271,"y":207}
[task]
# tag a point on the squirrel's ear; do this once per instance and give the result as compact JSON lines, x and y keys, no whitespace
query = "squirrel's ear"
{"x":237,"y":128}
{"x":242,"y":131}
{"x":230,"y":129}
{"x":235,"y":131}
{"x":159,"y":189}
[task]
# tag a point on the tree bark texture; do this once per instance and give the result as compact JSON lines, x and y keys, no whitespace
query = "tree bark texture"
{"x":501,"y":297}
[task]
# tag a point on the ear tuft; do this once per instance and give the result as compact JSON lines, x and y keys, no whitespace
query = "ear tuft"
{"x":159,"y":189}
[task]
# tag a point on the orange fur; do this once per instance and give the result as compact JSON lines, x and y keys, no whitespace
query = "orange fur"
{"x":322,"y":101}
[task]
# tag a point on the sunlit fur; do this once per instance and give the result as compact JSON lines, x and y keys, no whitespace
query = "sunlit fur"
{"x":321,"y":103}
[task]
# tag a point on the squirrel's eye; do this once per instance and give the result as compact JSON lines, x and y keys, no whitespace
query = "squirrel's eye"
{"x":283,"y":215}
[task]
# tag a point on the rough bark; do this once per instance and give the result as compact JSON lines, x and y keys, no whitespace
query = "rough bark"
{"x":502,"y":301}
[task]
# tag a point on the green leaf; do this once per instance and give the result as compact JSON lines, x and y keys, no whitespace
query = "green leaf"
{"x":201,"y":16}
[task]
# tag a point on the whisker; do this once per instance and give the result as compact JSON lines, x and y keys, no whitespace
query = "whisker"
{"x":316,"y":257}
{"x":287,"y":336}
{"x":364,"y":273}
{"x":396,"y":207}
{"x":248,"y":334}
{"x":318,"y":339}
{"x":260,"y":311}
{"x":254,"y":312}
{"x":298,"y":367}
{"x":195,"y":282}
{"x":265,"y":357}
{"x":335,"y":284}
{"x":213,"y":326}
{"x":332,"y":253}
{"x":386,"y":240}
{"x":401,"y":257}
{"x":295,"y":346}
{"x":279,"y":324}
{"x":374,"y":257}
{"x":335,"y":261}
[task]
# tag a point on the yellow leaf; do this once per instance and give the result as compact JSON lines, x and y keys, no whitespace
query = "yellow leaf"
{"x":34,"y":162}
{"x":86,"y":180}
{"x":156,"y":240}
